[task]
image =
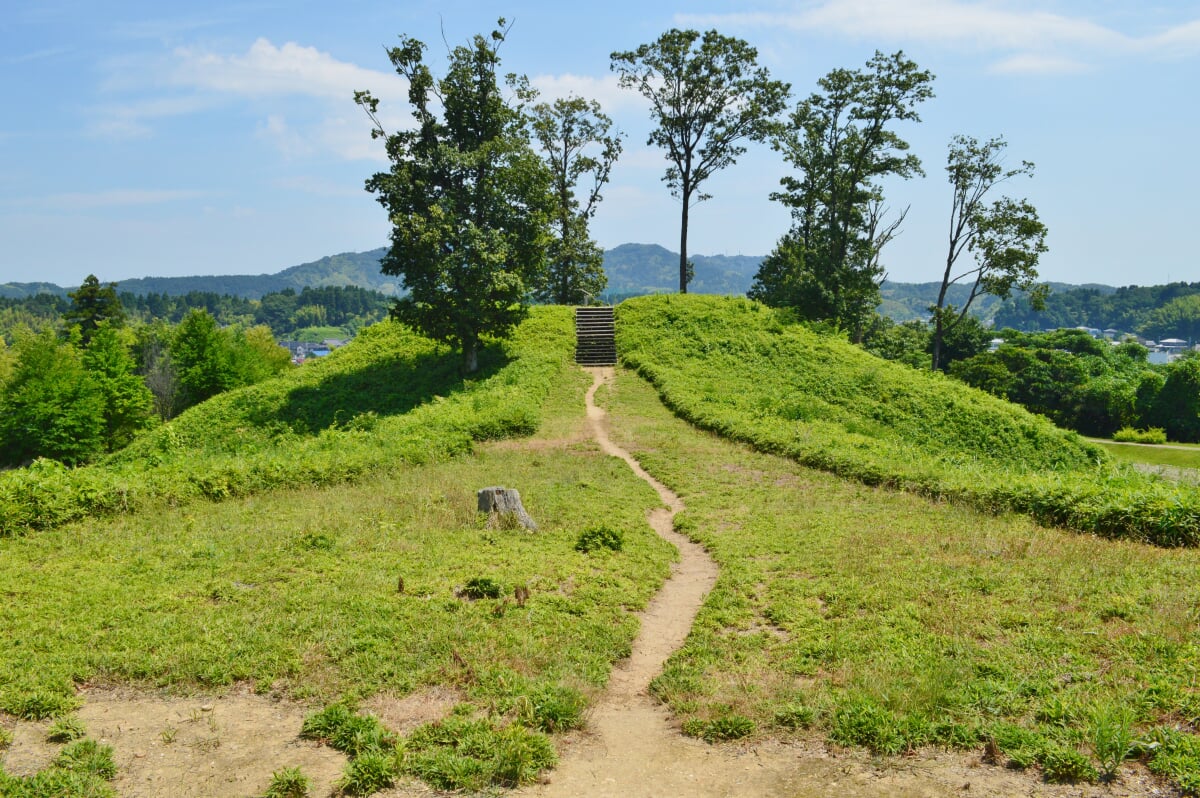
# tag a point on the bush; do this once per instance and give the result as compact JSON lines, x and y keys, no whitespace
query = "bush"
{"x":481,"y":587}
{"x":1149,"y":435}
{"x":600,"y":537}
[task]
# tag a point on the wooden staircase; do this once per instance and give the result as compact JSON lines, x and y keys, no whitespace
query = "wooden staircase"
{"x":594,"y":341}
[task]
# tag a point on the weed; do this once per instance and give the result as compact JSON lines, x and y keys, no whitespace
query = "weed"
{"x":600,"y":537}
{"x":369,"y":773}
{"x":66,"y":729}
{"x":794,"y":716}
{"x":472,"y":755}
{"x":39,"y":705}
{"x":87,"y":756}
{"x":553,"y":708}
{"x":6,"y":738}
{"x":288,"y":783}
{"x":859,"y":721}
{"x":1064,"y":765}
{"x":481,"y":587}
{"x":1112,"y":738}
{"x":168,"y":735}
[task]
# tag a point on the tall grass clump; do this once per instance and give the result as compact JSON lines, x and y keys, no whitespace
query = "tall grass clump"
{"x":391,"y":398}
{"x":735,"y":367}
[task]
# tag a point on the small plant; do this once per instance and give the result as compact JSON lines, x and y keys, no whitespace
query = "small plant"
{"x":39,"y":706}
{"x":168,"y":734}
{"x":600,"y":537}
{"x":553,"y":708}
{"x":87,"y":756}
{"x":6,"y":738}
{"x":472,"y":755}
{"x":369,"y":773}
{"x":342,"y":728}
{"x":794,"y":716}
{"x":1112,"y":739}
{"x":725,"y":727}
{"x":288,"y":783}
{"x":66,"y":729}
{"x":481,"y":587}
{"x":1149,"y":435}
{"x":1063,"y":765}
{"x":317,"y":541}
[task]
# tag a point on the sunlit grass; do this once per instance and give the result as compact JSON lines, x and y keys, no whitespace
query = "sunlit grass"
{"x":891,"y":621}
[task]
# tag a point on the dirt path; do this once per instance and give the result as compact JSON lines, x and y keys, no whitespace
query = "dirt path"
{"x":633,"y":750}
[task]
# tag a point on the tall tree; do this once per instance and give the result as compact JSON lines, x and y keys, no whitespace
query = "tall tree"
{"x":127,"y":401}
{"x":1006,"y":237}
{"x":707,"y":95}
{"x":840,"y":140}
{"x":468,"y":198}
{"x":577,"y":141}
{"x":93,"y":304}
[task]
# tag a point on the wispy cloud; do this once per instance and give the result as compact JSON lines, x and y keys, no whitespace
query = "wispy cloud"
{"x":1038,"y":40}
{"x":36,"y":55}
{"x":604,"y":90}
{"x":117,"y":198}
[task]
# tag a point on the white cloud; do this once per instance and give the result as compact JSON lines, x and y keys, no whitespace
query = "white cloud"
{"x":1041,"y":41}
{"x":604,"y":90}
{"x":292,"y":69}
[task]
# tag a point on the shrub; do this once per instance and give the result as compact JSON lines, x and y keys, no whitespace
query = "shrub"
{"x":64,"y":730}
{"x":600,"y":537}
{"x":1064,"y":765}
{"x":1149,"y":435}
{"x":481,"y":587}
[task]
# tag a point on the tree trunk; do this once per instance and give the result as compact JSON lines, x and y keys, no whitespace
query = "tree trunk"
{"x":683,"y":230}
{"x":470,"y":357}
{"x":504,"y":508}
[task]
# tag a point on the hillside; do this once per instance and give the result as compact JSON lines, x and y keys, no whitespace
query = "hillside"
{"x":733,"y":367}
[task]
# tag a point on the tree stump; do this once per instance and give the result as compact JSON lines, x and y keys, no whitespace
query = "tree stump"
{"x":504,"y":508}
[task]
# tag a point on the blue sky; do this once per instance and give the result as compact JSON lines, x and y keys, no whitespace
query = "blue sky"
{"x":150,"y":138}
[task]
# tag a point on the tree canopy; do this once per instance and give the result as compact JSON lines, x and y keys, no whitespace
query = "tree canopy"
{"x":707,"y":95}
{"x":840,"y":139}
{"x":1006,"y":237}
{"x":468,"y":198}
{"x":578,"y":143}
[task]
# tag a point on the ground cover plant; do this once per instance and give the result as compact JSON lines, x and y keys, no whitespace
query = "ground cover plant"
{"x":739,"y":369}
{"x":332,"y":594}
{"x":390,"y":399}
{"x":882,"y":619}
{"x":1175,"y":455}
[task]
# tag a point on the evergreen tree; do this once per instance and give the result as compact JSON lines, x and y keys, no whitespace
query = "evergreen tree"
{"x":93,"y":305}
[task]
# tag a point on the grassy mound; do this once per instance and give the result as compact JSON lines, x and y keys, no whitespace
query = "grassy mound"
{"x":388,"y":399}
{"x":880,"y":619}
{"x":731,"y":366}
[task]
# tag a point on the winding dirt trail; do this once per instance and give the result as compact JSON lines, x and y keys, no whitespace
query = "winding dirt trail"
{"x":631,"y":748}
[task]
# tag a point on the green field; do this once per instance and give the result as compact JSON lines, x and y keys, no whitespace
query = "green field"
{"x":885,"y":578}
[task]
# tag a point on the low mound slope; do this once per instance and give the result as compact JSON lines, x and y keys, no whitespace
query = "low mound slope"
{"x":390,"y":398}
{"x":734,"y":367}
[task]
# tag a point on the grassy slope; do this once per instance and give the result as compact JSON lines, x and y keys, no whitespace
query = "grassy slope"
{"x":885,"y":620}
{"x":730,"y":366}
{"x":388,"y":400}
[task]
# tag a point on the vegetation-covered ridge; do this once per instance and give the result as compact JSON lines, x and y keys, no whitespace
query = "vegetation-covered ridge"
{"x":390,"y":398}
{"x":739,"y":369}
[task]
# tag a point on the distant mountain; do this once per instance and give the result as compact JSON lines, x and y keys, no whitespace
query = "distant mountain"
{"x":632,"y":269}
{"x":650,"y":269}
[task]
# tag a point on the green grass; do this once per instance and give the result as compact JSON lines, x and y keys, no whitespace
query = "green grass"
{"x":389,"y":400}
{"x":733,"y":367}
{"x":885,"y":620}
{"x":1188,"y":457}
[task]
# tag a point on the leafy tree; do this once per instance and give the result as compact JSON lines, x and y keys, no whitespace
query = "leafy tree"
{"x":203,"y":359}
{"x":1176,"y":408}
{"x":827,"y":267}
{"x":707,"y":95}
{"x":1006,"y":237}
{"x":93,"y":304}
{"x":258,"y":356}
{"x":1179,"y":318}
{"x":965,"y":339}
{"x":905,"y":343}
{"x":153,"y":351}
{"x":50,"y":406}
{"x":127,"y":401}
{"x":468,"y":198}
{"x":577,"y":141}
